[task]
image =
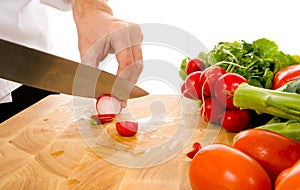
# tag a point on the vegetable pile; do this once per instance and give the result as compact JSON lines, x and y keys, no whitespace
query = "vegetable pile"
{"x":252,"y":89}
{"x":243,"y":85}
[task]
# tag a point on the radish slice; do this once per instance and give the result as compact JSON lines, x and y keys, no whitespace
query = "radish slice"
{"x":127,"y":128}
{"x":103,"y":118}
{"x":108,"y":104}
{"x":196,"y":147}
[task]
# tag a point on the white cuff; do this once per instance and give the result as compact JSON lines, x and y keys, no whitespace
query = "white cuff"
{"x":6,"y":99}
{"x":6,"y":88}
{"x":64,"y":5}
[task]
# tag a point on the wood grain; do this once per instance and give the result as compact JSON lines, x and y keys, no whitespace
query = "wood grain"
{"x":41,"y":148}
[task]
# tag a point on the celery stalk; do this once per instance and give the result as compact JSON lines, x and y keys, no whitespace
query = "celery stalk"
{"x":277,"y":103}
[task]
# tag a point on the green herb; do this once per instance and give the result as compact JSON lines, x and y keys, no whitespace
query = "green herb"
{"x":93,"y":122}
{"x":257,"y":62}
{"x":182,"y":72}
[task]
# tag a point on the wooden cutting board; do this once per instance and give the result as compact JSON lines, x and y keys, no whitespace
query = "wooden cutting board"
{"x":42,"y":147}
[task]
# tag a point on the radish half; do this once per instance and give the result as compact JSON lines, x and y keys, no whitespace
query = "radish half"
{"x":127,"y":128}
{"x":108,"y":104}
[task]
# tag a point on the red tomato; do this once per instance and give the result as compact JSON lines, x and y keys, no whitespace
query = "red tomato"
{"x":192,"y":85}
{"x":235,"y":120}
{"x":209,"y":77}
{"x":193,"y":65}
{"x":211,"y":110}
{"x":225,"y":87}
{"x":274,"y":152}
{"x":290,"y":178}
{"x":219,"y":166}
{"x":286,"y":75}
{"x":282,"y":175}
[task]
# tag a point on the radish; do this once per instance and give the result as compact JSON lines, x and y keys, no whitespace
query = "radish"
{"x":195,"y":64}
{"x":108,"y":104}
{"x":127,"y":128}
{"x":102,"y":118}
{"x":192,"y":85}
{"x":225,"y":88}
{"x":196,"y":147}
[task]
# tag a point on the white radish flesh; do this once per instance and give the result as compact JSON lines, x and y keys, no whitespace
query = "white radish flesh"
{"x":108,"y":104}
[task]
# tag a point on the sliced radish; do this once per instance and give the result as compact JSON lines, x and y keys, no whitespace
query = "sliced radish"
{"x":103,"y":118}
{"x":127,"y":128}
{"x":108,"y":104}
{"x":196,"y":147}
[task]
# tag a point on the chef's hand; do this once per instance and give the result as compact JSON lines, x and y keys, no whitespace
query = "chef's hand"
{"x":100,"y":33}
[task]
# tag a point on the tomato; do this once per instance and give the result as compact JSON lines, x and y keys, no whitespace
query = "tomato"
{"x":225,"y":87}
{"x":211,"y":110}
{"x":282,"y":175}
{"x":274,"y":152}
{"x":219,"y":166}
{"x":286,"y":75}
{"x":193,"y":65}
{"x":289,"y":179}
{"x":209,"y":77}
{"x":192,"y":85}
{"x":235,"y":120}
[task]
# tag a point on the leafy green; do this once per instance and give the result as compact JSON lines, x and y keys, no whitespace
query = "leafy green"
{"x":182,"y":72}
{"x":290,"y":128}
{"x":257,"y":61}
{"x":293,"y":87}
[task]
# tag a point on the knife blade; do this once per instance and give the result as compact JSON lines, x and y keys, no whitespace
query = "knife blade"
{"x":42,"y":70}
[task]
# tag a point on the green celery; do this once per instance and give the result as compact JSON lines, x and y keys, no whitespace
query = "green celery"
{"x":277,"y":103}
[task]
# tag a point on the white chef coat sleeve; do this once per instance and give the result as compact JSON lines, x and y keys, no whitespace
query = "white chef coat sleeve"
{"x":64,"y":5}
{"x":6,"y":88}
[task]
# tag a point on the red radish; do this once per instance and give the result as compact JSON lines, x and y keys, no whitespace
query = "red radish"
{"x":225,"y":88}
{"x":235,"y":120}
{"x":196,"y":147}
{"x":108,"y":104}
{"x":184,"y":92}
{"x":192,"y":85}
{"x":209,"y":77}
{"x":211,"y":110}
{"x":103,"y":118}
{"x":193,"y":65}
{"x":127,"y":128}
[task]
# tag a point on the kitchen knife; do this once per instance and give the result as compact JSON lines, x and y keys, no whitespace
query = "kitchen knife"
{"x":49,"y":72}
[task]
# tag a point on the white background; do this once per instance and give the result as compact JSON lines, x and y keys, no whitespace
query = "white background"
{"x":211,"y":21}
